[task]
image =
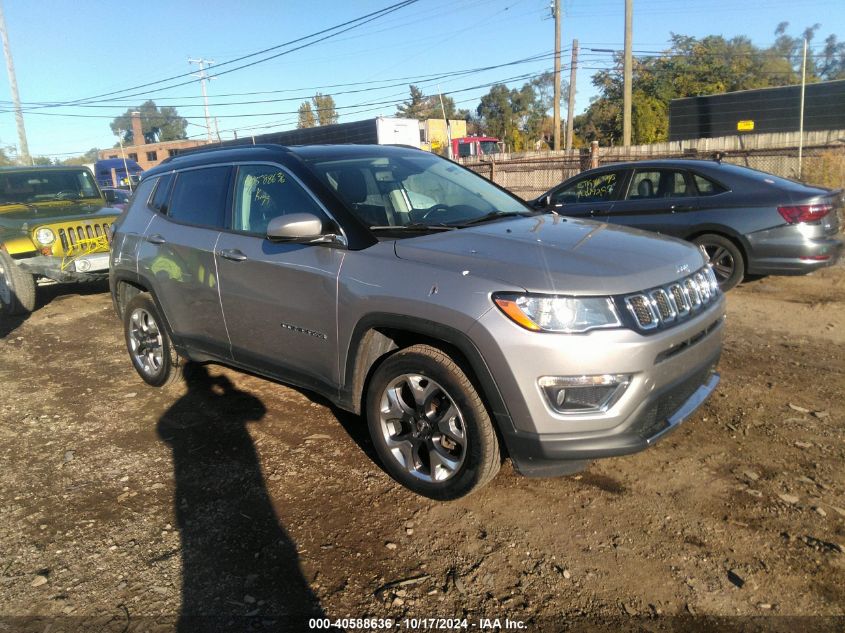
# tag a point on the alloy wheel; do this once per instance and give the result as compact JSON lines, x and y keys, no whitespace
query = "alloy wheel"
{"x":423,"y":428}
{"x":721,"y":260}
{"x":145,"y":341}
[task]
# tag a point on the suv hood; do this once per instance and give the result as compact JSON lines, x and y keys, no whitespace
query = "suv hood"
{"x":554,"y":254}
{"x":17,"y":215}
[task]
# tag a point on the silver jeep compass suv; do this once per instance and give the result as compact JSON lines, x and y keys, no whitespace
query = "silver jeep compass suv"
{"x":462,"y":324}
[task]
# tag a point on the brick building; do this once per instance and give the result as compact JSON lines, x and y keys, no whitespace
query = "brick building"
{"x":148,"y":155}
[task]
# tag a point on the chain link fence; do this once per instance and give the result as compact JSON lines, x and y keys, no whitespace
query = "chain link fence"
{"x":530,"y":176}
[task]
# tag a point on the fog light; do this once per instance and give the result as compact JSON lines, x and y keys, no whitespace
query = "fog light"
{"x":583,"y":394}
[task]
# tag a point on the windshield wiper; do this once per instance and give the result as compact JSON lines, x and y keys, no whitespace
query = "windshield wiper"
{"x":493,"y":215}
{"x":415,"y":226}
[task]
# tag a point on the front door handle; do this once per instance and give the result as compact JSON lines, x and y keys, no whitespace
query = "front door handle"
{"x":232,"y":254}
{"x":681,"y":207}
{"x":156,"y":239}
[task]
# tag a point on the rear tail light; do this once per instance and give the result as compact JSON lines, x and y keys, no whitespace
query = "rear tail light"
{"x":805,"y":212}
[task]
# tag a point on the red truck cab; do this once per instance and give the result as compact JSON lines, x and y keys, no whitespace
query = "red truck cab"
{"x":475,"y":146}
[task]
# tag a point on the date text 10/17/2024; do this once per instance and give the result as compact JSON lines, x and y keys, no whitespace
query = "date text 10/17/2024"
{"x":418,"y":624}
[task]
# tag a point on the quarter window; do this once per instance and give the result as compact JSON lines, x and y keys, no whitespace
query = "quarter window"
{"x":199,"y":197}
{"x":264,"y":192}
{"x":159,"y":201}
{"x":706,"y":187}
{"x":595,"y":188}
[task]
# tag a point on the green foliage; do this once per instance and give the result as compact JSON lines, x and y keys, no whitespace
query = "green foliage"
{"x":91,"y":156}
{"x":157,"y":124}
{"x":520,"y":117}
{"x":326,"y":110}
{"x":700,"y":66}
{"x":306,"y":116}
{"x":42,"y":160}
{"x":422,"y":107}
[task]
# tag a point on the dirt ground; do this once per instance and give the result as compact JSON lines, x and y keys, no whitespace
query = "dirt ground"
{"x":239,"y":504}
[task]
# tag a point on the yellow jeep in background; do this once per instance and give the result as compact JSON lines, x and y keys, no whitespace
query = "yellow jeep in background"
{"x":54,"y":227}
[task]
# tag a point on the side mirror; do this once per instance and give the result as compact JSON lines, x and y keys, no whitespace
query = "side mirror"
{"x":547,"y":200}
{"x":299,"y":228}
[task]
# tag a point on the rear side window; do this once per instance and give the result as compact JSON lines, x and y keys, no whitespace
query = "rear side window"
{"x":706,"y":187}
{"x":199,"y":197}
{"x":658,"y":183}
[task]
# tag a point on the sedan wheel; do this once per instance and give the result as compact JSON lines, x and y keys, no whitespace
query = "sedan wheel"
{"x":725,"y":258}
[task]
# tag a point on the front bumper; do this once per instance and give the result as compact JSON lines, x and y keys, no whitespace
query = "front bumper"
{"x":90,"y":267}
{"x":672,"y":373}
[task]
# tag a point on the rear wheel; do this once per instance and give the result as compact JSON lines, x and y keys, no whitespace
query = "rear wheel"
{"x":725,"y":258}
{"x":148,"y":343}
{"x":17,"y":288}
{"x":430,"y":426}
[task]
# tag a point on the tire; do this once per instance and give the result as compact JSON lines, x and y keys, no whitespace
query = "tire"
{"x":429,"y":425}
{"x":148,"y":343}
{"x":725,"y":257}
{"x":17,"y":288}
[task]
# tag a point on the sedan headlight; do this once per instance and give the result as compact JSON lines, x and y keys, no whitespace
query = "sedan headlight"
{"x":547,"y":313}
{"x":45,"y":236}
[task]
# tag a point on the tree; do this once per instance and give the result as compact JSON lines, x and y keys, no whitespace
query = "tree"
{"x":91,"y":156}
{"x":422,"y":107}
{"x":326,"y":110}
{"x":700,"y":66}
{"x":306,"y":116}
{"x":42,"y":160}
{"x":157,"y":124}
{"x":520,"y":117}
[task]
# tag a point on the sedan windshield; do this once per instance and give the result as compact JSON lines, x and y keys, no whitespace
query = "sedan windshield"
{"x":29,"y":187}
{"x":414,"y":191}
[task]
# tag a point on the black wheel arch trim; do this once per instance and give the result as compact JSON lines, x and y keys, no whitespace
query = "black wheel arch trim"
{"x":353,"y":383}
{"x":724,"y":231}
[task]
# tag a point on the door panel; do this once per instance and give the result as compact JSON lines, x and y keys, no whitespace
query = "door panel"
{"x":589,"y":196}
{"x":657,"y":200}
{"x":280,"y":306}
{"x":179,"y":261}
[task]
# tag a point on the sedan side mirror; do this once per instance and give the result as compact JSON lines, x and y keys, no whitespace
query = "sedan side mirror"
{"x":299,"y":228}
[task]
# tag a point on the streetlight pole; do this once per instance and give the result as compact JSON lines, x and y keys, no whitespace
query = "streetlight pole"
{"x":628,"y":74}
{"x":556,"y":9}
{"x":203,"y":78}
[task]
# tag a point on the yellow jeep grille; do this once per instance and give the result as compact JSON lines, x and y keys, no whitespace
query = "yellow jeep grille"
{"x":83,"y":238}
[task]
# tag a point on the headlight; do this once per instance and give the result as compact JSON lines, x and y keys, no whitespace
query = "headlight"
{"x":544,"y":313}
{"x":45,"y":236}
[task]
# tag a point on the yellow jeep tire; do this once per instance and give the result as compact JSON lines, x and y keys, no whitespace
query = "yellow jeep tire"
{"x":17,"y":288}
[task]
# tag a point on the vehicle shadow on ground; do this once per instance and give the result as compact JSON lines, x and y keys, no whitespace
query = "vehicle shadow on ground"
{"x":240,"y":568}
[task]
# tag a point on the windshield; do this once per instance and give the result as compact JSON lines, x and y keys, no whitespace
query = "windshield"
{"x":40,"y":186}
{"x":489,"y":147}
{"x":421,"y":189}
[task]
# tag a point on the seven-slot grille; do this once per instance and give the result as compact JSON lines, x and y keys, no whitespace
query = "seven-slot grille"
{"x":673,"y":302}
{"x":72,"y":236}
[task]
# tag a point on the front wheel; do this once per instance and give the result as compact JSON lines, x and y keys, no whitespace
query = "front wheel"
{"x":430,"y":426}
{"x":17,"y":288}
{"x":725,"y":258}
{"x":150,"y":349}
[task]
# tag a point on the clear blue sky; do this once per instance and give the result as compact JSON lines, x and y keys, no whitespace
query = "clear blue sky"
{"x":65,"y":50}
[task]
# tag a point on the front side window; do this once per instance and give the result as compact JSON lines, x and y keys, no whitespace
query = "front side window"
{"x":264,"y":192}
{"x":199,"y":197}
{"x":658,"y":183}
{"x":595,"y":188}
{"x":396,"y":191}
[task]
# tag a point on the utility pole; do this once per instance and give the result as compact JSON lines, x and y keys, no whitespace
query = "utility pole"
{"x":13,"y":88}
{"x":556,"y":10}
{"x":570,"y":106}
{"x":628,"y":74}
{"x":801,"y":116}
{"x":203,"y":78}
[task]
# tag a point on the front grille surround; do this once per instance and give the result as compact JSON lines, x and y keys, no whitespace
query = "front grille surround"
{"x":668,"y":305}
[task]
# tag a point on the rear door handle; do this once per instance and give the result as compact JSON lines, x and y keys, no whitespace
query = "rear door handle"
{"x":232,"y":254}
{"x":156,"y":239}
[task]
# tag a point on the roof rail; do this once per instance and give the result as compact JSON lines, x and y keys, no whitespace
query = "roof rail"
{"x":202,"y":149}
